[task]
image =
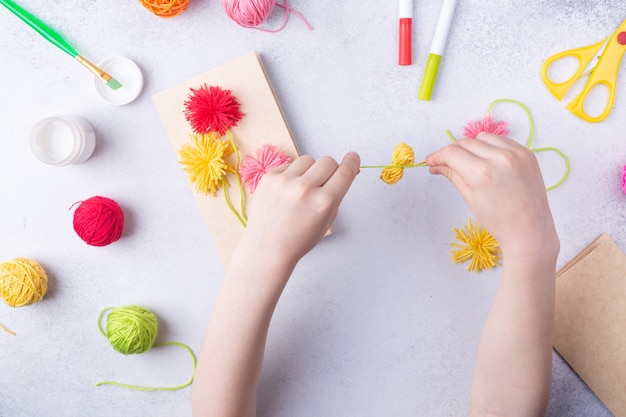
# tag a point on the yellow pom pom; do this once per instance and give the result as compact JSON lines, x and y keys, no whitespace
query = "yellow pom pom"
{"x":203,"y":160}
{"x":392,"y":175}
{"x":403,"y":155}
{"x":22,"y":282}
{"x":479,"y":247}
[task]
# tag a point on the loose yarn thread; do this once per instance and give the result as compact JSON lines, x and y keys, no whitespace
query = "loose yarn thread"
{"x":165,"y":8}
{"x":252,"y":13}
{"x":98,"y":221}
{"x":133,"y":329}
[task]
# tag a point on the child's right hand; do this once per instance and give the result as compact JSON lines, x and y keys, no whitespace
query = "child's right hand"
{"x":501,"y":183}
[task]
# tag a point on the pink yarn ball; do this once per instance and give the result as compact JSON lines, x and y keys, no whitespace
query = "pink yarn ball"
{"x":99,"y":221}
{"x":248,"y":13}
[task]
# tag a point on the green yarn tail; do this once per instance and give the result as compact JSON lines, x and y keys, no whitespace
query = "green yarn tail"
{"x":175,"y":388}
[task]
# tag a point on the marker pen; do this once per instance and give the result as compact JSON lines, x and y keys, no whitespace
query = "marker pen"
{"x":406,"y":29}
{"x":436,"y":49}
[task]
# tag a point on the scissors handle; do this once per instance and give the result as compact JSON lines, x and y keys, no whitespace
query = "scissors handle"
{"x":584,"y":56}
{"x":605,"y":74}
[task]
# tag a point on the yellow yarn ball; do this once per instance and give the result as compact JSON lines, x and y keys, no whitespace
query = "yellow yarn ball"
{"x":22,"y":282}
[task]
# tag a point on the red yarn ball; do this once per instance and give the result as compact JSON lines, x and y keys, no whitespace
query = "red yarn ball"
{"x":99,"y":221}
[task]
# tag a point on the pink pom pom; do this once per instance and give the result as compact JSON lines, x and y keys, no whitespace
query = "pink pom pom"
{"x":624,"y":179}
{"x":485,"y":125}
{"x":99,"y":221}
{"x":252,"y":169}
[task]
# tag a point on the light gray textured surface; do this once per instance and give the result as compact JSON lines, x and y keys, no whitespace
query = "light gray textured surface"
{"x":376,"y":321}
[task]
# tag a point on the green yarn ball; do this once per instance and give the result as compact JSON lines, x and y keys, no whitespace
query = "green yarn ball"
{"x":131,"y":329}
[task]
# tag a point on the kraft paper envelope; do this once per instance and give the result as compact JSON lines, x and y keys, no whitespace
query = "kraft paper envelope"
{"x":262,"y":124}
{"x":590,"y":320}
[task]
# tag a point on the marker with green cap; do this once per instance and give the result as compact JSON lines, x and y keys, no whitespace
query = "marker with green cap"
{"x":436,"y":50}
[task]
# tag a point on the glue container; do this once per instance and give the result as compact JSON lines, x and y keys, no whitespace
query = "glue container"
{"x":127,"y":73}
{"x":62,"y":140}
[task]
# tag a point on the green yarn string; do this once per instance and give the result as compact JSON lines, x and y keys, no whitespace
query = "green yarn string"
{"x":133,"y":329}
{"x":230,"y":205}
{"x":242,"y":194}
{"x":567,"y":164}
{"x":420,"y":164}
{"x":531,"y":122}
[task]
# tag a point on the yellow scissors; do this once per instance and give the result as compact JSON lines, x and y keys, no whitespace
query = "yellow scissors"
{"x":601,"y":61}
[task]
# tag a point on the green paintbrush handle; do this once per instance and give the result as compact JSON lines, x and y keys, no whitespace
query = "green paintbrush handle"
{"x":43,"y":29}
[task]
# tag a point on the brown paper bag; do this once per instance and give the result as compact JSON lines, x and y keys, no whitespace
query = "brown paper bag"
{"x":590,"y":320}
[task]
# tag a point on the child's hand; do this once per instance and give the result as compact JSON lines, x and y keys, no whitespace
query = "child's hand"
{"x":295,"y":204}
{"x":501,"y":183}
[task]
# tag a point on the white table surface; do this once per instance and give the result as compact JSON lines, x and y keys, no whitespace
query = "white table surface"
{"x":376,"y":321}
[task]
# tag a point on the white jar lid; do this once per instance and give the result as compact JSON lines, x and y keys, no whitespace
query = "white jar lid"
{"x":127,"y":73}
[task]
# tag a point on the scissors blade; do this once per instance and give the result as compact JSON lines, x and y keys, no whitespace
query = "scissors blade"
{"x":594,"y":62}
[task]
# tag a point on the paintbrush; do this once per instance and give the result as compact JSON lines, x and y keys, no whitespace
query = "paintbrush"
{"x":56,"y":39}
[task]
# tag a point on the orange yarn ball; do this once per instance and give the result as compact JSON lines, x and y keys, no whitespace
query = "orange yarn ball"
{"x":165,"y":8}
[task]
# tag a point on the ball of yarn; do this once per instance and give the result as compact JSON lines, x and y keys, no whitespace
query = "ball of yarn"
{"x":131,"y":329}
{"x":165,"y":8}
{"x":248,"y":13}
{"x":22,"y":282}
{"x":99,"y":221}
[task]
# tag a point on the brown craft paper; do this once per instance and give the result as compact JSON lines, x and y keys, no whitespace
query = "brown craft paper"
{"x":262,"y":124}
{"x":590,"y":320}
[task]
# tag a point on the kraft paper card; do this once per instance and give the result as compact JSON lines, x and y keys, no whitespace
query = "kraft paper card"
{"x":590,"y":320}
{"x":263,"y":124}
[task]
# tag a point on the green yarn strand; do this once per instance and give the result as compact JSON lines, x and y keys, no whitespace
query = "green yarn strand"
{"x":531,"y":138}
{"x":565,"y":159}
{"x":242,"y":194}
{"x":531,"y":122}
{"x":175,"y":388}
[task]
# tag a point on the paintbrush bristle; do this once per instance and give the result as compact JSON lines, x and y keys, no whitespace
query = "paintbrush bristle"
{"x":114,"y":84}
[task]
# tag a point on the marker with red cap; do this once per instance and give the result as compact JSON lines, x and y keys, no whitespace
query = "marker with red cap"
{"x":406,"y":29}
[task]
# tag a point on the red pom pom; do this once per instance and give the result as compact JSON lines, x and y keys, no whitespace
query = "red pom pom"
{"x":211,"y":109}
{"x":99,"y":221}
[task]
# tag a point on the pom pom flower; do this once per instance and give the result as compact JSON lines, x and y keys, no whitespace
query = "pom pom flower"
{"x":478,"y":246}
{"x":212,"y":109}
{"x":203,"y":160}
{"x":402,"y":157}
{"x":253,"y":168}
{"x":487,"y":124}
